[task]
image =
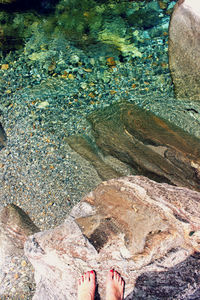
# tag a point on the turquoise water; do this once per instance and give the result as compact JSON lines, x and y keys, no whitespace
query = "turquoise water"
{"x":85,"y":55}
{"x":59,"y":62}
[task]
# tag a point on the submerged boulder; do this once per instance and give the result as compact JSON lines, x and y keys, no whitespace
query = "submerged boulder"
{"x":16,"y":274}
{"x":132,"y":224}
{"x":150,"y":145}
{"x":15,"y":227}
{"x":3,"y":137}
{"x":184,"y":47}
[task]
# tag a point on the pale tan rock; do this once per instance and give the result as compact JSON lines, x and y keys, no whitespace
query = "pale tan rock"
{"x":128,"y":224}
{"x":184,"y":47}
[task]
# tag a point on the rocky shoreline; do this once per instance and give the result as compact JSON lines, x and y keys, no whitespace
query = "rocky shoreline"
{"x":147,"y":231}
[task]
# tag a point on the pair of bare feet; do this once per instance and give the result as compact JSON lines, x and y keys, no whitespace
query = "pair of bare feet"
{"x":114,"y":286}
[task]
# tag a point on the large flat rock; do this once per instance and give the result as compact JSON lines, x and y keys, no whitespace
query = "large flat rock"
{"x":150,"y":145}
{"x":184,"y":47}
{"x":132,"y":224}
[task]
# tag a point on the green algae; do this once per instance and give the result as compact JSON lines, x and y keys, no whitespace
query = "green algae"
{"x":84,"y":22}
{"x":15,"y":28}
{"x":122,"y":44}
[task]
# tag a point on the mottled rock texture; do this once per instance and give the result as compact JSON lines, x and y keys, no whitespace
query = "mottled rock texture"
{"x":15,"y":274}
{"x":184,"y":47}
{"x":148,"y":231}
{"x":15,"y":227}
{"x":150,"y":145}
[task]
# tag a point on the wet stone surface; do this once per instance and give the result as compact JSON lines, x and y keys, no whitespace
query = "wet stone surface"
{"x":151,"y":146}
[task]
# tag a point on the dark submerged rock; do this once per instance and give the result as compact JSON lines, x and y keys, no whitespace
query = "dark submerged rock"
{"x":42,"y":6}
{"x":152,"y":146}
{"x":85,"y":147}
{"x":15,"y":227}
{"x":16,"y":275}
{"x":3,"y":137}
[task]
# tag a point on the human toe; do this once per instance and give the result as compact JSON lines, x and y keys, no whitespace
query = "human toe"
{"x":92,"y":276}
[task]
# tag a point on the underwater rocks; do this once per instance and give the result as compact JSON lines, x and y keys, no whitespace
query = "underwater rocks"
{"x":42,"y":6}
{"x":184,"y":47}
{"x":3,"y":137}
{"x":85,"y":147}
{"x":19,"y":20}
{"x":151,"y":146}
{"x":132,"y":224}
{"x":6,"y":1}
{"x":16,"y":274}
{"x":15,"y":28}
{"x":15,"y":227}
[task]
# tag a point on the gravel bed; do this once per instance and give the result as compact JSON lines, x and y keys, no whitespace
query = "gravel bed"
{"x":17,"y":279}
{"x":38,"y":170}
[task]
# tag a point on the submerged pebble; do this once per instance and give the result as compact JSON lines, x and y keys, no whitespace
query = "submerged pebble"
{"x":43,"y":104}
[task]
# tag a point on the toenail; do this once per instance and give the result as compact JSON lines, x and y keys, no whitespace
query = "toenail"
{"x":92,"y":272}
{"x":112,"y":270}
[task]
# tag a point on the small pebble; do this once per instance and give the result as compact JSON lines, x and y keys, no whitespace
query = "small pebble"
{"x":23,"y":263}
{"x":4,"y":67}
{"x":43,"y":104}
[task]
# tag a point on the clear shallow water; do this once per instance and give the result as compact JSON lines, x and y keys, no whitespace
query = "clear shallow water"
{"x":77,"y":59}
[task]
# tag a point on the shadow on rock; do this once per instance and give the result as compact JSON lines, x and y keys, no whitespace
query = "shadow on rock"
{"x":179,"y":282}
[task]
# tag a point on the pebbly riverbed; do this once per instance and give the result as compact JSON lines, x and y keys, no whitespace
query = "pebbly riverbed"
{"x":39,"y":171}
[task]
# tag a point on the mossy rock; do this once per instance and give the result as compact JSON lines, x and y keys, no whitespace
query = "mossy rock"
{"x":14,"y":29}
{"x":7,"y":1}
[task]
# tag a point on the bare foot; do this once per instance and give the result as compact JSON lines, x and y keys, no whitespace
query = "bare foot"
{"x":114,"y":286}
{"x":86,"y":286}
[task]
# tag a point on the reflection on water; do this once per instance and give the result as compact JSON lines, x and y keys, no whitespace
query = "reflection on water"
{"x":60,"y":61}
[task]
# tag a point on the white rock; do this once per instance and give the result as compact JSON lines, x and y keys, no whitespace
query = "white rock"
{"x":43,"y":104}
